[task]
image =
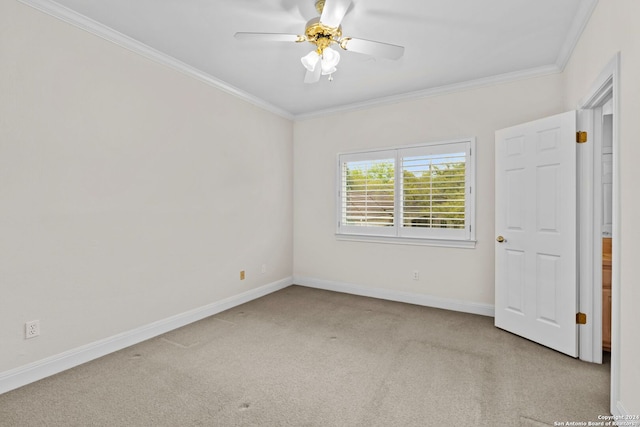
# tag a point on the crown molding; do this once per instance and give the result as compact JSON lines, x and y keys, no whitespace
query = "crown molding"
{"x":580,"y":21}
{"x":436,"y":91}
{"x":67,"y":15}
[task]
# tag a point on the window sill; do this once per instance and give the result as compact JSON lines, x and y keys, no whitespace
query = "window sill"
{"x":446,"y":243}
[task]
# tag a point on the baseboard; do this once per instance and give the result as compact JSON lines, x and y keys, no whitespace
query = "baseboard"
{"x":623,"y":418}
{"x":411,"y":298}
{"x":35,"y":371}
{"x":12,"y":379}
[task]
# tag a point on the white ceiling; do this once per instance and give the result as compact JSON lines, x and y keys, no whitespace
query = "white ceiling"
{"x":448,"y":43}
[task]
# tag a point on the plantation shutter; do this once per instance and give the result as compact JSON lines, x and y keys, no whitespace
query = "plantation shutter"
{"x":420,"y":194}
{"x":434,"y":191}
{"x":367,"y":196}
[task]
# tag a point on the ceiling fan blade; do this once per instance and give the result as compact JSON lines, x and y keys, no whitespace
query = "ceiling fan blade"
{"x":270,"y":37}
{"x":313,"y":76}
{"x":333,"y":12}
{"x":369,"y":47}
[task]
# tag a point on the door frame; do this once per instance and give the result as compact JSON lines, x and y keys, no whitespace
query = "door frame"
{"x":589,"y":231}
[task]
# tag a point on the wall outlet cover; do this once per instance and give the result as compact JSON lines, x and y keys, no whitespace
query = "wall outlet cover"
{"x":32,"y":329}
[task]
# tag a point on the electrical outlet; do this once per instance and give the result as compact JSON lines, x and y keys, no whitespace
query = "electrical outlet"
{"x":242,"y":275}
{"x":32,"y":329}
{"x":416,"y":275}
{"x":263,"y":269}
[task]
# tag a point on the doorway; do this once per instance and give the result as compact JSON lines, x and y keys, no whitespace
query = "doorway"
{"x":598,"y":234}
{"x":598,"y":202}
{"x":604,"y":119}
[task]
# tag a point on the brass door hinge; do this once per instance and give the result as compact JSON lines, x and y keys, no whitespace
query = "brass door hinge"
{"x":581,"y":137}
{"x":581,"y":318}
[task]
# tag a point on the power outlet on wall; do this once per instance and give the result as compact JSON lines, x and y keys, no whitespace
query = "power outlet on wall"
{"x":32,"y":329}
{"x":416,"y":275}
{"x":242,"y":275}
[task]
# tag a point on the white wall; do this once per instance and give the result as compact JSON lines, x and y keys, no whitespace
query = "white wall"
{"x":458,"y":274}
{"x":614,"y":28}
{"x":129,"y":192}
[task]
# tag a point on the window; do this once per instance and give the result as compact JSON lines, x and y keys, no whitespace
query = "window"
{"x":420,"y":194}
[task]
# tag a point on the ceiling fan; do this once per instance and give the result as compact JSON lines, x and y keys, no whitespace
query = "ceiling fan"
{"x":323,"y":32}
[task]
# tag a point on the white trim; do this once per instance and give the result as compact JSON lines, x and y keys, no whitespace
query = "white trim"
{"x":414,"y":241}
{"x":580,"y":21}
{"x":366,"y":151}
{"x":590,"y":335}
{"x":399,"y":296}
{"x":622,"y":415}
{"x":107,"y":33}
{"x":436,"y":91}
{"x":38,"y":370}
{"x":610,"y":76}
{"x":616,"y":237}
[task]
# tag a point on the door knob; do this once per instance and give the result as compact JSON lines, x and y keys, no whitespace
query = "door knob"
{"x":500,"y":239}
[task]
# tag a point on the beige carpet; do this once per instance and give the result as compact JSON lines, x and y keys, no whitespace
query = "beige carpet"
{"x":305,"y":357}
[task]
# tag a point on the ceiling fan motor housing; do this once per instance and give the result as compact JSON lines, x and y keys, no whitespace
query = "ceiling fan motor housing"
{"x":321,"y":35}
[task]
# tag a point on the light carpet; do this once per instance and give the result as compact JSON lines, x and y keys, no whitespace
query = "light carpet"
{"x":307,"y":357}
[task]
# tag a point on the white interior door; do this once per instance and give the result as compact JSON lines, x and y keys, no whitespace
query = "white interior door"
{"x":536,"y":264}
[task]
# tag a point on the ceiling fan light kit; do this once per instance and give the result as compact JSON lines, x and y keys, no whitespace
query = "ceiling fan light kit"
{"x":328,"y":60}
{"x":323,"y":31}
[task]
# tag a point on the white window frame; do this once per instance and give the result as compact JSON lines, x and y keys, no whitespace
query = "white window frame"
{"x":398,"y":234}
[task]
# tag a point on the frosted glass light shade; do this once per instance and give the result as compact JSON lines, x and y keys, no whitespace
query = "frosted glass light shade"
{"x":330,"y":59}
{"x":310,"y":60}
